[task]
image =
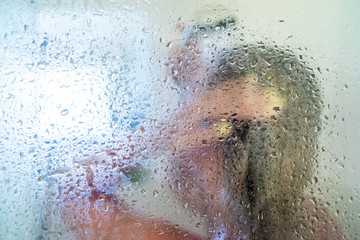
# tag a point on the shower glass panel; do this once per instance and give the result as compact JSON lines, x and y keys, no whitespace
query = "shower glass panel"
{"x":157,"y":119}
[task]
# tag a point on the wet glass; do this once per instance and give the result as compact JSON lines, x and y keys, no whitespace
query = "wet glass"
{"x":191,"y":120}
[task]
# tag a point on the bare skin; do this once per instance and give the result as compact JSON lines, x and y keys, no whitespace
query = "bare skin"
{"x":102,"y":216}
{"x":193,"y":136}
{"x":198,"y":141}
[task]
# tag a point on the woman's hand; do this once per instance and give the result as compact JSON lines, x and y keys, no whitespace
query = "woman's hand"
{"x":90,"y":210}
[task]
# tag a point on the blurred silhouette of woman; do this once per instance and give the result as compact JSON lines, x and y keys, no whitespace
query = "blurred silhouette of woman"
{"x":240,"y":151}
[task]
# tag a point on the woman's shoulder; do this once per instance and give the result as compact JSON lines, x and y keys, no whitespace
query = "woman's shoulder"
{"x":322,"y":223}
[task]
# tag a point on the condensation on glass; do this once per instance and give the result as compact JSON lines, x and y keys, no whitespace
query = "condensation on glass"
{"x":163,"y":120}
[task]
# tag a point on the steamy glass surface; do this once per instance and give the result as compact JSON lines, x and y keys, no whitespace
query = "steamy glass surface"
{"x":163,"y":120}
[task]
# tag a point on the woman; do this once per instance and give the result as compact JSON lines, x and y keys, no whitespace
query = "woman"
{"x":239,"y":153}
{"x":268,"y":154}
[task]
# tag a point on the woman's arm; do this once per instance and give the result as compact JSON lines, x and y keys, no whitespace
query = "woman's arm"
{"x":98,"y":213}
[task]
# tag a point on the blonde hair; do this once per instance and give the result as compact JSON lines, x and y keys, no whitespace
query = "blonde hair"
{"x":278,"y":155}
{"x":268,"y":164}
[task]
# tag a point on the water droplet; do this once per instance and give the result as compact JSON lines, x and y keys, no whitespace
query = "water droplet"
{"x":10,"y":96}
{"x":42,"y":65}
{"x":64,"y":112}
{"x":129,"y":8}
{"x":276,"y":109}
{"x":98,"y":12}
{"x":340,"y":165}
{"x":29,"y":65}
{"x":8,"y":72}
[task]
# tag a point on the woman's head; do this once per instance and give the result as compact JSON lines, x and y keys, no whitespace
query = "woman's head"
{"x":279,"y":151}
{"x":260,"y":104}
{"x":207,"y":115}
